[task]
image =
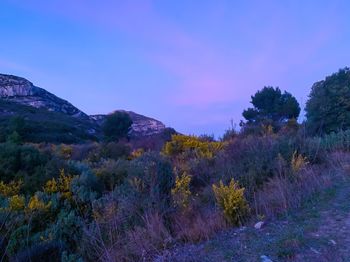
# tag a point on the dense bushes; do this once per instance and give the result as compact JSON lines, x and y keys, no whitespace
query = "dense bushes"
{"x":91,"y":201}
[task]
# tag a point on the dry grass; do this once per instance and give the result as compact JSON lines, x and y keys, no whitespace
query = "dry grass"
{"x":194,"y":226}
{"x":288,"y":191}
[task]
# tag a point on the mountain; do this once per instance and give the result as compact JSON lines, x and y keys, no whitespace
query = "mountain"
{"x":20,"y":90}
{"x":142,"y":125}
{"x":52,"y":119}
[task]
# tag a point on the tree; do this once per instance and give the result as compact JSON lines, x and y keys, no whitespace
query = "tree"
{"x":17,"y":129}
{"x":271,"y":105}
{"x":328,"y":107}
{"x":116,"y":126}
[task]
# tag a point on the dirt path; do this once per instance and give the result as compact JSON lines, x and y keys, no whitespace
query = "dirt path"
{"x":319,"y":231}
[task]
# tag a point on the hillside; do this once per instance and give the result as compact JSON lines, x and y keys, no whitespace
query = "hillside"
{"x":41,"y":125}
{"x":52,"y":119}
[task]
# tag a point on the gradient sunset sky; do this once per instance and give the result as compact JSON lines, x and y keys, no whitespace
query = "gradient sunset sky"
{"x":191,"y":64}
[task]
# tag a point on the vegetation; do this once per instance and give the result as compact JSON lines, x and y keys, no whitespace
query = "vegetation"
{"x":231,"y":199}
{"x":328,"y":109}
{"x":116,"y":126}
{"x":39,"y":125}
{"x":271,"y":105}
{"x":129,"y":200}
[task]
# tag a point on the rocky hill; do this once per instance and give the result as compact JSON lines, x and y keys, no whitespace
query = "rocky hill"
{"x":20,"y":90}
{"x":20,"y":97}
{"x":142,"y":125}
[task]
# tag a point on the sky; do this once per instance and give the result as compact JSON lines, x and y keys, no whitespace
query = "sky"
{"x":191,"y":64}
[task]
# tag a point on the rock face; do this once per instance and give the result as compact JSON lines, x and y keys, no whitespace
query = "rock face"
{"x":142,"y":125}
{"x":22,"y":91}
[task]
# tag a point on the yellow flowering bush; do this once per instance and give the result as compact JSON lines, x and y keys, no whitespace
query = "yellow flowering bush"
{"x":36,"y":204}
{"x":66,"y":151}
{"x":16,"y":203}
{"x":136,"y":153}
{"x":181,"y":192}
{"x":231,"y":200}
{"x":62,"y":185}
{"x":181,"y":143}
{"x":11,"y":188}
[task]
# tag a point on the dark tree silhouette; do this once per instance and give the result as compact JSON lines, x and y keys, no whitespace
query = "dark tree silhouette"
{"x":116,"y":126}
{"x":271,"y":105}
{"x":328,"y":107}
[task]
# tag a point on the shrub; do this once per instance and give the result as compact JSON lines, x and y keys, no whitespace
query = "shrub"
{"x":181,"y":192}
{"x":66,"y":151}
{"x":156,"y":173}
{"x":112,"y":173}
{"x":11,"y":188}
{"x":41,"y":252}
{"x":36,"y":204}
{"x":199,"y":147}
{"x":115,"y":150}
{"x":231,"y":200}
{"x":298,"y":162}
{"x":16,"y":203}
{"x":62,"y":185}
{"x":249,"y":160}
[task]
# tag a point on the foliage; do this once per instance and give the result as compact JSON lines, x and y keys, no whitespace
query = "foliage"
{"x":112,"y":173}
{"x":156,"y":174}
{"x":298,"y":162}
{"x":127,"y":200}
{"x":61,"y":185}
{"x":36,"y":204}
{"x":24,"y":163}
{"x":231,"y":200}
{"x":116,"y":126}
{"x":66,"y":151}
{"x":200,"y":148}
{"x":181,"y":192}
{"x":327,"y":109}
{"x":16,"y":203}
{"x":270,"y":104}
{"x":40,"y":125}
{"x":11,"y":188}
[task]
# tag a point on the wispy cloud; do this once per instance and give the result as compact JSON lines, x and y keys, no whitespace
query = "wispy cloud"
{"x":249,"y":45}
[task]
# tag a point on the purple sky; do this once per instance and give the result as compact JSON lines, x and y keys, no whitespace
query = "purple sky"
{"x":191,"y":64}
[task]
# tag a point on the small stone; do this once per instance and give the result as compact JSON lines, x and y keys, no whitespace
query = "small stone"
{"x":242,"y":228}
{"x":332,"y":242}
{"x":315,"y":251}
{"x":265,"y":259}
{"x":259,"y":225}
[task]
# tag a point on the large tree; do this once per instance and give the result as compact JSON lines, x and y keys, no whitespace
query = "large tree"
{"x":270,"y":104}
{"x":328,"y":107}
{"x":116,"y":126}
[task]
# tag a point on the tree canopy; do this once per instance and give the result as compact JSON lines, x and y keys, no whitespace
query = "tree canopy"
{"x":328,"y":107}
{"x":116,"y":126}
{"x":272,"y":105}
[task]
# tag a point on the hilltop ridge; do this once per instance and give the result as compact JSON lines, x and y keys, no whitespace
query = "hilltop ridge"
{"x":19,"y":91}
